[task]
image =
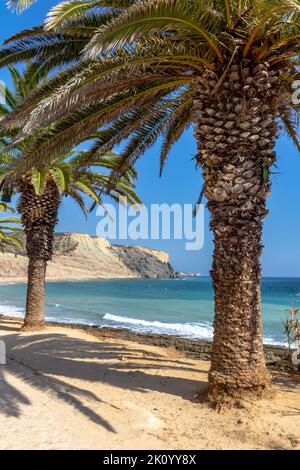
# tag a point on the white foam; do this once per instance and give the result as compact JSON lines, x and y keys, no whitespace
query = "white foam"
{"x":11,"y":311}
{"x":273,"y":342}
{"x":185,"y":330}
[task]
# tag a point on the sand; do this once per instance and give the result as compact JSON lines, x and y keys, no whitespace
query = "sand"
{"x":66,"y":389}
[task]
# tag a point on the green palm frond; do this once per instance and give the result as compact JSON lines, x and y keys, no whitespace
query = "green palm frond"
{"x":48,"y":50}
{"x":64,"y":12}
{"x":38,"y":180}
{"x":155,"y":16}
{"x":10,"y":220}
{"x":86,"y":81}
{"x":9,"y":227}
{"x":5,"y":238}
{"x":291,"y":122}
{"x":87,"y":189}
{"x":5,"y":208}
{"x":75,"y":195}
{"x":59,"y":178}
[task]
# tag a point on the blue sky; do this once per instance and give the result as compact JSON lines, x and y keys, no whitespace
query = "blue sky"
{"x":181,"y":184}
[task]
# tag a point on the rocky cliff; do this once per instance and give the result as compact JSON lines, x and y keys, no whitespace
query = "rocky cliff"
{"x":79,"y":256}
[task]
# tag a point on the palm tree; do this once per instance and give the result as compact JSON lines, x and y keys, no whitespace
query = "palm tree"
{"x":225,"y":66}
{"x":41,"y":191}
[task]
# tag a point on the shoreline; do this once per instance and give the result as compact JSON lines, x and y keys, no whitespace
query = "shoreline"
{"x":199,"y":349}
{"x":23,"y":280}
{"x":61,"y":279}
{"x":272,"y":338}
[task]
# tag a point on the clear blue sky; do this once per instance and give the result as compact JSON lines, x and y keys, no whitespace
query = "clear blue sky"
{"x":181,"y":184}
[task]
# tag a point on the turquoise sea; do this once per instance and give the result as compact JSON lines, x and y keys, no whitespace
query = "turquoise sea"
{"x":182,"y":307}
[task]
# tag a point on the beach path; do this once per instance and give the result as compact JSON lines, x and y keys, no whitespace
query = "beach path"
{"x":64,"y":388}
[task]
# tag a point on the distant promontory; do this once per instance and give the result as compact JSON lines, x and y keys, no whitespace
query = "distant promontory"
{"x":82,"y":257}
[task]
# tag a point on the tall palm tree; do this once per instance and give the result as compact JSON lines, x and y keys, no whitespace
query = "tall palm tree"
{"x":227,"y":67}
{"x":41,"y":190}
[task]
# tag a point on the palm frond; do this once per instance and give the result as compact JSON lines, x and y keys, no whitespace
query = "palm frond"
{"x":152,"y":16}
{"x":291,"y":121}
{"x":38,"y":180}
{"x":59,"y":178}
{"x":19,"y":5}
{"x":87,"y":189}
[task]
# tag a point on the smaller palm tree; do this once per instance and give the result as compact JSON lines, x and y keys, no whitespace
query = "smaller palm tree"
{"x":9,"y":229}
{"x":41,"y":189}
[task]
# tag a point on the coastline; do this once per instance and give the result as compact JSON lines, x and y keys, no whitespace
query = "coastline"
{"x":14,"y":280}
{"x":199,"y":349}
{"x":147,"y":306}
{"x":23,"y":280}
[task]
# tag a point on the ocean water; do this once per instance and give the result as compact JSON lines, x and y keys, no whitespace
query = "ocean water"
{"x":182,"y":307}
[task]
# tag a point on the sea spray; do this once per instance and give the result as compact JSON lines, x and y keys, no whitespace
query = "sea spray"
{"x":185,"y":330}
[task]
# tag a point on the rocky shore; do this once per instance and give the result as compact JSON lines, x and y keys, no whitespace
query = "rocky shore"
{"x":277,"y":358}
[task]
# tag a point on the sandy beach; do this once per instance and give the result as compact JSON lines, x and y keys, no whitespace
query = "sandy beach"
{"x":66,"y":389}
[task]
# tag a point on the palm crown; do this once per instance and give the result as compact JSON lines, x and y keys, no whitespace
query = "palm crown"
{"x":144,"y":62}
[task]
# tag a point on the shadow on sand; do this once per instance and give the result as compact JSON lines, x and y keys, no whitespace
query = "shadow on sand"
{"x":47,"y":361}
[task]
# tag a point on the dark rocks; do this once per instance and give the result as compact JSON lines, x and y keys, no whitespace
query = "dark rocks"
{"x":277,"y":358}
{"x":144,"y":263}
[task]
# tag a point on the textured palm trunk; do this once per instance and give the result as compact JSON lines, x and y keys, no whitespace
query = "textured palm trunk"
{"x":39,"y":217}
{"x":238,"y":365}
{"x":236,"y":129}
{"x":35,"y":301}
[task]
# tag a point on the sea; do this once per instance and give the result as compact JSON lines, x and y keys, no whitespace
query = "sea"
{"x":182,"y":307}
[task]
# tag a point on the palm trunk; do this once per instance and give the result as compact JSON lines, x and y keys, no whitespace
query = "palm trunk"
{"x":236,"y":132}
{"x":35,"y":301}
{"x":39,"y":217}
{"x":238,"y":364}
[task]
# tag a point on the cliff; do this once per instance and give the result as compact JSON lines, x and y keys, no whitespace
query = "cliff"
{"x":79,"y":256}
